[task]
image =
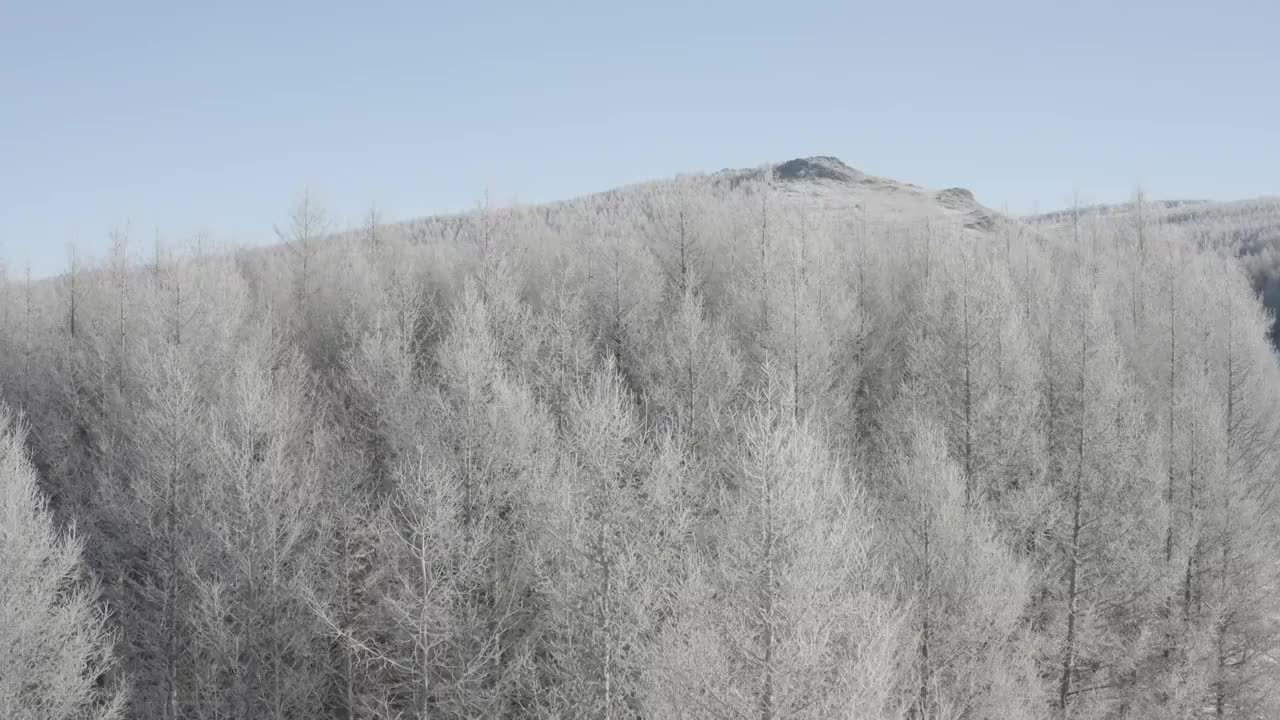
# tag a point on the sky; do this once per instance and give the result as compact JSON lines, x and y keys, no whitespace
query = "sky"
{"x":181,"y":117}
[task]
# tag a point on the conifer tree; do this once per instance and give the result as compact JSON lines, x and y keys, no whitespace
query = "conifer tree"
{"x":781,"y":618}
{"x":55,"y":644}
{"x":976,"y":653}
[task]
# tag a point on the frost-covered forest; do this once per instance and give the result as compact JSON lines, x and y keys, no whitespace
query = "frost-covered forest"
{"x":728,"y":446}
{"x":1249,"y":229}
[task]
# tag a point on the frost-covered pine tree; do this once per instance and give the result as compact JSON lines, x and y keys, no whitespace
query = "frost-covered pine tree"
{"x":54,"y":645}
{"x":780,"y":616}
{"x":975,"y":652}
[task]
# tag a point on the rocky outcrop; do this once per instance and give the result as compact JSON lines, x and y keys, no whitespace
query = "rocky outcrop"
{"x":822,"y":167}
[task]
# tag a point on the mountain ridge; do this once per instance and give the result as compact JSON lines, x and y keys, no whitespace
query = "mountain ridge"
{"x":823,"y":184}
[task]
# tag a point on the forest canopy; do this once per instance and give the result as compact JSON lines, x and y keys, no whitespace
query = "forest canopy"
{"x":803,"y":446}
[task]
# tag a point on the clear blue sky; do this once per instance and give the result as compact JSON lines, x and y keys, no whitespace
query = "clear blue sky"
{"x":214,"y":115}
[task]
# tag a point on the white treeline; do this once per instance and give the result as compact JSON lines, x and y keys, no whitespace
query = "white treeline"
{"x":697,"y":449}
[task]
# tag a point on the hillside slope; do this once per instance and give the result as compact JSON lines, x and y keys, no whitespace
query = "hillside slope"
{"x":823,"y":188}
{"x":1246,"y":229}
{"x":773,"y":442}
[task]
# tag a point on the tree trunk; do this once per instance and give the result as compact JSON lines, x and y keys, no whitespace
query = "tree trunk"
{"x":1073,"y":563}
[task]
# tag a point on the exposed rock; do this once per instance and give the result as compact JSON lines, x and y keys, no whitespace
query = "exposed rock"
{"x":816,"y":168}
{"x":956,"y":198}
{"x":981,"y":219}
{"x":962,"y":200}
